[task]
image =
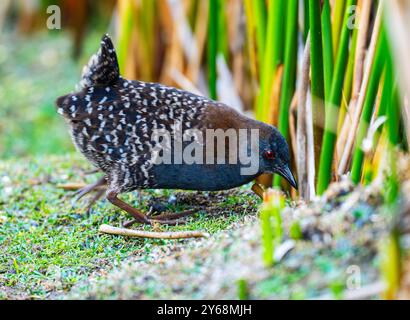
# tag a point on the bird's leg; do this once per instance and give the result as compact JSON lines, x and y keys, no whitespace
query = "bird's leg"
{"x":258,"y":190}
{"x":92,"y":171}
{"x":112,"y":197}
{"x":169,"y":219}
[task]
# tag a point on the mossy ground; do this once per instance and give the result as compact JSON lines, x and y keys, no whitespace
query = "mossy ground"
{"x":49,"y":245}
{"x":52,"y":249}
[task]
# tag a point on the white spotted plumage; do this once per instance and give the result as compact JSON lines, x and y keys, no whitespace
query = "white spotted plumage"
{"x":119,"y":117}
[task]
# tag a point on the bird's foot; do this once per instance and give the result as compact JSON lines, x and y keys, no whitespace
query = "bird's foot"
{"x":173,"y":216}
{"x":99,"y":186}
{"x":170,"y":219}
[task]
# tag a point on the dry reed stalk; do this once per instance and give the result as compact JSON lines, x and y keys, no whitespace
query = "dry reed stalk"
{"x":178,"y":11}
{"x":358,"y":72}
{"x":226,"y":89}
{"x":168,"y":27}
{"x":361,"y":46}
{"x":377,"y":103}
{"x":134,"y":58}
{"x":351,"y":134}
{"x":251,"y":43}
{"x":238,"y":74}
{"x":275,"y":96}
{"x":311,"y":162}
{"x":201,"y":30}
{"x":301,"y":132}
{"x":236,"y":34}
{"x":184,"y":83}
{"x":174,"y":56}
{"x":293,"y":116}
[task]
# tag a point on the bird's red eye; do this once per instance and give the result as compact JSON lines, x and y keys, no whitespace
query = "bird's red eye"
{"x":269,"y":155}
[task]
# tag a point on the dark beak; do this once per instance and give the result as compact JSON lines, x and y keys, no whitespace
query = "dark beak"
{"x":288,"y":175}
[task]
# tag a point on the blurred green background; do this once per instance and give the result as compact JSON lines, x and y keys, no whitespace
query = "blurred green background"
{"x":37,"y":66}
{"x":33,"y":72}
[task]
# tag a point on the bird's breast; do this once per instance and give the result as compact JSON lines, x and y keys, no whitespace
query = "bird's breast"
{"x":201,"y":177}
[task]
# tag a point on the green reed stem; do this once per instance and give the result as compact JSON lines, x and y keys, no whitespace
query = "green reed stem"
{"x":273,"y":55}
{"x":289,"y":72}
{"x":327,"y":48}
{"x":317,"y":72}
{"x":126,"y":26}
{"x":260,"y":14}
{"x":306,"y":26}
{"x":223,"y":46}
{"x":338,"y":14}
{"x":212,"y":47}
{"x":332,"y":108}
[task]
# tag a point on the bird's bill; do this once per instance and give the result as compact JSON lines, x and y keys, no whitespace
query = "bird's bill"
{"x":288,"y":175}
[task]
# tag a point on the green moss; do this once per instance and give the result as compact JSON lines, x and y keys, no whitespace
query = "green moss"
{"x":48,"y":245}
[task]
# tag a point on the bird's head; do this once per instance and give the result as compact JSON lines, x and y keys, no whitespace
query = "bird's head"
{"x":275,"y":157}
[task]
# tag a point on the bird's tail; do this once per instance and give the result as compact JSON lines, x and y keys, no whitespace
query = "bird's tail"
{"x":102,"y":69}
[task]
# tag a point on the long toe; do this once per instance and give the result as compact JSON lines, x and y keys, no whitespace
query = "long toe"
{"x":173,"y":216}
{"x":96,"y":197}
{"x":100,"y":185}
{"x":173,"y":222}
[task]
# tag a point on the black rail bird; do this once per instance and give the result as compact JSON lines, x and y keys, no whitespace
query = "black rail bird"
{"x":118,"y":125}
